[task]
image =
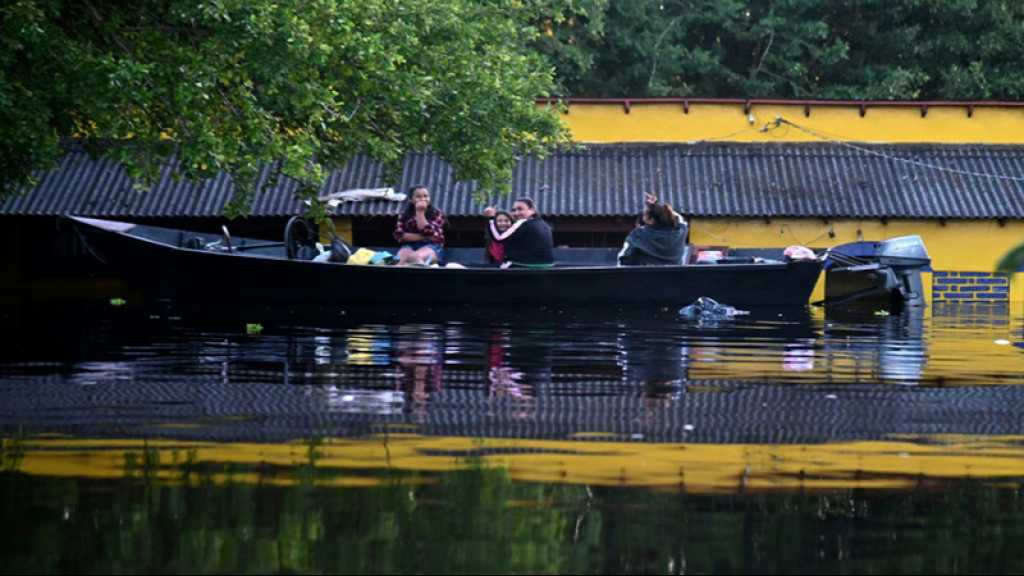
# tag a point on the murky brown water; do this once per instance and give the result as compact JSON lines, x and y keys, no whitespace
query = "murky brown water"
{"x":512,"y":441}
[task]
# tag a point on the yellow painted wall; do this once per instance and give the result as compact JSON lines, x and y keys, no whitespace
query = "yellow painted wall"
{"x":667,"y":122}
{"x":342,"y":227}
{"x":956,"y":246}
{"x":972,"y":245}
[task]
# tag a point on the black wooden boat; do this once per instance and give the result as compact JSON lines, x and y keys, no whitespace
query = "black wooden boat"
{"x":182,"y":265}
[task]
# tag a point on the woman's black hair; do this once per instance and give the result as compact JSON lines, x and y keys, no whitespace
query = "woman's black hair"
{"x":532,"y":205}
{"x":663,"y":215}
{"x":504,"y":213}
{"x":410,"y":209}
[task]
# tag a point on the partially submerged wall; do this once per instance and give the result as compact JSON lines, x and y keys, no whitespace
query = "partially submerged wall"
{"x":964,"y":253}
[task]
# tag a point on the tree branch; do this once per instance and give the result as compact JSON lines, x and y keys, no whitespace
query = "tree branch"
{"x":657,"y":44}
{"x":771,"y":39}
{"x":98,"y":20}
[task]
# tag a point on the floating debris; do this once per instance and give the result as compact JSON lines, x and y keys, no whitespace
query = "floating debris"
{"x":705,"y":308}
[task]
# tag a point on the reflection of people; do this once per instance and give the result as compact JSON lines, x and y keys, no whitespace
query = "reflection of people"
{"x":659,"y":365}
{"x":799,"y":357}
{"x":503,"y":380}
{"x":528,"y":241}
{"x":659,"y":240}
{"x":420,"y":230}
{"x":421,"y":365}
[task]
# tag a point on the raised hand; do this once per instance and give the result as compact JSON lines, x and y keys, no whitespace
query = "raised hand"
{"x":421,"y":213}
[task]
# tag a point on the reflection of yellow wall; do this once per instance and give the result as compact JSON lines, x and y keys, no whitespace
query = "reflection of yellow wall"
{"x":722,"y":468}
{"x":956,"y":349}
{"x":983,"y":363}
{"x":667,"y":122}
{"x":969,"y":245}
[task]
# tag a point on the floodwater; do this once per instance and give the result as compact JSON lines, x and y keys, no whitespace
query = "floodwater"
{"x":498,"y":441}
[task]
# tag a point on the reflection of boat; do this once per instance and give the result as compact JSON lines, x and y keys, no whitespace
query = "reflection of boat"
{"x":169,"y":263}
{"x":892,"y":348}
{"x":576,"y":402}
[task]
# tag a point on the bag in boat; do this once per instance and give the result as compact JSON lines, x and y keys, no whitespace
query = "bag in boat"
{"x":799,"y":253}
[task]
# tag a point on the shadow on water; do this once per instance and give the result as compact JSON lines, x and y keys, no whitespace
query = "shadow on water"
{"x":498,"y":440}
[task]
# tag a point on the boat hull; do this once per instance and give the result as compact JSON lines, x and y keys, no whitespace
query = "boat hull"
{"x":165,"y":271}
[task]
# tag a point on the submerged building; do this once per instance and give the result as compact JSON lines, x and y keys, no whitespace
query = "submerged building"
{"x":745,"y":172}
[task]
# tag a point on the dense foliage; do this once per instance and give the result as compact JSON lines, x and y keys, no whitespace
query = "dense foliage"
{"x":228,"y":85}
{"x":233,"y":85}
{"x":867,"y":49}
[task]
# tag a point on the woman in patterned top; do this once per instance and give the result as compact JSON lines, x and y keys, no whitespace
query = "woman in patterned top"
{"x":420,"y":230}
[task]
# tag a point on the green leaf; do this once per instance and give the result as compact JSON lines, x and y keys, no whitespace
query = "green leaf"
{"x":1012,"y":261}
{"x":236,"y":85}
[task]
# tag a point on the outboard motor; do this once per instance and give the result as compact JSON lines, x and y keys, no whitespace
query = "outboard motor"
{"x":884,"y":274}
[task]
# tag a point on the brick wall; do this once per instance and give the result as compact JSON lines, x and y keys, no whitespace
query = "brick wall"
{"x":970,"y":287}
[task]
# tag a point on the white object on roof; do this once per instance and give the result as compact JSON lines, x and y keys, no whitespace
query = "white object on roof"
{"x":360,"y":194}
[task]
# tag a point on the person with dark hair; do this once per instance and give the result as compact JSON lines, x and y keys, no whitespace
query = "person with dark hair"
{"x":420,"y":230}
{"x":528,"y":241}
{"x":658,"y":239}
{"x":494,"y":249}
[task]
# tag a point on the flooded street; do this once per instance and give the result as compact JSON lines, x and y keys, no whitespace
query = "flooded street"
{"x":508,"y":441}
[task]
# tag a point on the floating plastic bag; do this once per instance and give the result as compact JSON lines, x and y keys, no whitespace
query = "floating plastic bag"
{"x":705,"y":308}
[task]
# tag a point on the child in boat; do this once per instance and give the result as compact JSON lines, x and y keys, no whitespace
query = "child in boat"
{"x":495,"y":249}
{"x":420,"y":230}
{"x":660,"y":240}
{"x":528,"y":241}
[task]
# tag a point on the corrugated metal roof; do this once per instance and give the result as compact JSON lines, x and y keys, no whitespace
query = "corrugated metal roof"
{"x":702,"y":179}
